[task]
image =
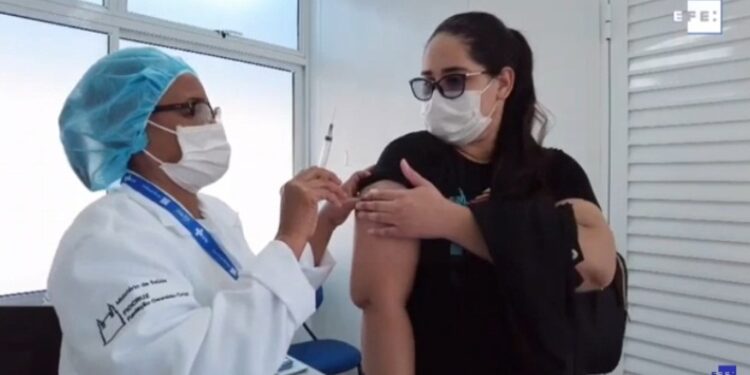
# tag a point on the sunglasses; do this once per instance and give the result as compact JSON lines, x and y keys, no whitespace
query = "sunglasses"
{"x":450,"y":86}
{"x":195,"y":108}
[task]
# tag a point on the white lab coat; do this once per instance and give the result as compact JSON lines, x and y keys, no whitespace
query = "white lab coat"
{"x":135,"y":294}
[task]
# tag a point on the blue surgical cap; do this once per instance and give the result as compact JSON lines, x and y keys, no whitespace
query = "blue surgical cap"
{"x":103,"y":121}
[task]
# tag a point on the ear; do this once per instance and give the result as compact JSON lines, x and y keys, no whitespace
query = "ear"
{"x":506,"y":79}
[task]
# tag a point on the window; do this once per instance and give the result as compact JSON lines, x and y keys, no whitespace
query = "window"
{"x":270,"y":21}
{"x":39,"y":68}
{"x":256,"y":109}
{"x":47,"y":45}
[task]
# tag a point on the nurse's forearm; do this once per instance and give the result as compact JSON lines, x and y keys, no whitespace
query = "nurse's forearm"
{"x":463,"y":230}
{"x":321,"y":238}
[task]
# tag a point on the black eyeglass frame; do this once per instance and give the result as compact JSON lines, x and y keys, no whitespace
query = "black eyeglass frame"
{"x":189,"y":105}
{"x":437,"y":85}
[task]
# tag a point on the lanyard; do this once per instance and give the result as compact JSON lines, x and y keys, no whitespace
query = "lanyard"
{"x":199,"y":233}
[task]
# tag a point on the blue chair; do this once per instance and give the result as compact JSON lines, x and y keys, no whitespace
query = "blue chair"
{"x":327,"y":356}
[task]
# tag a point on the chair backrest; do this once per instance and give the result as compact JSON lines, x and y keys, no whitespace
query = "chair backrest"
{"x":318,"y":297}
{"x":30,"y":340}
{"x":34,"y":298}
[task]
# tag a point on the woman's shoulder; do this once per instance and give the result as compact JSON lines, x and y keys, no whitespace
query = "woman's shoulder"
{"x":558,"y":160}
{"x":415,"y":142}
{"x":421,"y":149}
{"x":566,"y":177}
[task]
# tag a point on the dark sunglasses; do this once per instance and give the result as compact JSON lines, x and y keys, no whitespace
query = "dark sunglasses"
{"x":450,"y":86}
{"x":193,"y":108}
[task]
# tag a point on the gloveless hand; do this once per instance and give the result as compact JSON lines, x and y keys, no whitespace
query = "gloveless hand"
{"x":337,"y":215}
{"x":418,"y":213}
{"x":299,"y":205}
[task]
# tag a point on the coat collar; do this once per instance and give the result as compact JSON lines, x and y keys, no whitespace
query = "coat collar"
{"x":210,"y":208}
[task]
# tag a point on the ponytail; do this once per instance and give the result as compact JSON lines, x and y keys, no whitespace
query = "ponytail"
{"x":518,"y":154}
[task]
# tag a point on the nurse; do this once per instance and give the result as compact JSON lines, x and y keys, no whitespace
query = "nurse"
{"x":156,"y":278}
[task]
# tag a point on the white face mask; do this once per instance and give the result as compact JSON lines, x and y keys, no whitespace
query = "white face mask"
{"x":205,"y":155}
{"x":457,"y":121}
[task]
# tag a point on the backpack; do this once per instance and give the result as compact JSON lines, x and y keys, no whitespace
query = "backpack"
{"x":589,"y":336}
{"x":600,"y":320}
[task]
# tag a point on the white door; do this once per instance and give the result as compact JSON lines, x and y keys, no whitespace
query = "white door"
{"x":680,"y":186}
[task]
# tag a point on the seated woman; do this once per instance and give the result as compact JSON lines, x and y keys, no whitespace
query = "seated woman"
{"x":436,"y":298}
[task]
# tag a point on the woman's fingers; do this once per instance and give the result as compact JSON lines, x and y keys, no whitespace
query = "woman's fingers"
{"x":350,"y":203}
{"x":384,"y":195}
{"x":482,"y":198}
{"x":352,"y":184}
{"x":377,"y":206}
{"x":358,"y":177}
{"x":377,"y":217}
{"x":363,"y":174}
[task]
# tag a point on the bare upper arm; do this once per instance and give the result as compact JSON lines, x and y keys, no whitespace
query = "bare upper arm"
{"x":597,"y":244}
{"x":382,"y":268}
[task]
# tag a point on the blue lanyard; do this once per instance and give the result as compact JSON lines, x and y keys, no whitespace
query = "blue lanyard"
{"x":199,"y":233}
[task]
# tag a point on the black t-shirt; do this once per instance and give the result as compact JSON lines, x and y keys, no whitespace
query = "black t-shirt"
{"x":457,"y":308}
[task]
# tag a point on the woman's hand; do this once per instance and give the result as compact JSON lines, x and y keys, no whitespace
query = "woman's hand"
{"x":299,"y":205}
{"x":416,"y":213}
{"x":485,"y":196}
{"x":337,"y":215}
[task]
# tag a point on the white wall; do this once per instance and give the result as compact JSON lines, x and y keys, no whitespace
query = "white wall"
{"x":363,"y":54}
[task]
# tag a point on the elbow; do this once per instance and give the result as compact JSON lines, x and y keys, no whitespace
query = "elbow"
{"x":604,"y":275}
{"x":596,"y":277}
{"x":600,"y":256}
{"x":359,"y":297}
{"x":382,"y":305}
{"x":381,"y":296}
{"x":378,"y":299}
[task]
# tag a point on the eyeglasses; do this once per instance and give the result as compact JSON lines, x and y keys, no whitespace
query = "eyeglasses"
{"x":450,"y":86}
{"x":196,"y":108}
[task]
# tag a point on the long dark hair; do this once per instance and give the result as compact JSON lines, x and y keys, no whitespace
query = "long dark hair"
{"x":518,"y":155}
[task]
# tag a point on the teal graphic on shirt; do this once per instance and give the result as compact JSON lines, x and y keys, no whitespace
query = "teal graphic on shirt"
{"x":457,"y":250}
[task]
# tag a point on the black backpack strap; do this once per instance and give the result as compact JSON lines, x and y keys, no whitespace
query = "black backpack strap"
{"x":621,"y":282}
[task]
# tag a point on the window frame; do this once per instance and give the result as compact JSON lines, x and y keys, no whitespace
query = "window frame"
{"x":117,"y":23}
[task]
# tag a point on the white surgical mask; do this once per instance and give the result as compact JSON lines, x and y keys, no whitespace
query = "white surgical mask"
{"x":205,"y":155}
{"x":457,"y":121}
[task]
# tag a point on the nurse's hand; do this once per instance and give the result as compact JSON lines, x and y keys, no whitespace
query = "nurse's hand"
{"x":299,"y":205}
{"x":337,"y":215}
{"x":418,"y":213}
